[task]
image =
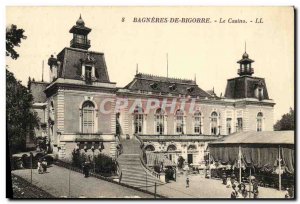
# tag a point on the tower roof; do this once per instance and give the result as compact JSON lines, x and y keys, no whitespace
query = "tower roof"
{"x":80,"y":22}
{"x":245,"y":59}
{"x":80,"y":27}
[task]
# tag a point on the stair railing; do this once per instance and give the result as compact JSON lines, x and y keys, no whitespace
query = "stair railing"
{"x":150,"y":171}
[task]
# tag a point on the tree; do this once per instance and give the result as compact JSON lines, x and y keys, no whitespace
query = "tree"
{"x":20,"y":118}
{"x":286,"y":122}
{"x":13,"y":39}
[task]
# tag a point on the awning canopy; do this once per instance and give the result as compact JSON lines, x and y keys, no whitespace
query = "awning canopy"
{"x":154,"y":159}
{"x":251,"y":137}
{"x":259,"y":149}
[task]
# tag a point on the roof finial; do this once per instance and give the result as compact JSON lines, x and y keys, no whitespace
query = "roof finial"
{"x":137,"y":68}
{"x":195,"y":78}
{"x":245,"y":47}
{"x":80,"y":16}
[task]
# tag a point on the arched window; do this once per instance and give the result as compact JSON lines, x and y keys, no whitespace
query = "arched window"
{"x":138,"y":120}
{"x":171,"y":148}
{"x":192,"y":148}
{"x":179,"y":121}
{"x":88,"y":116}
{"x":197,"y":122}
{"x":259,"y":121}
{"x":149,"y":148}
{"x":214,"y":123}
{"x":159,"y":121}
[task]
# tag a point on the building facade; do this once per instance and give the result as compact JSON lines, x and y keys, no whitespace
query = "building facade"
{"x":174,"y":117}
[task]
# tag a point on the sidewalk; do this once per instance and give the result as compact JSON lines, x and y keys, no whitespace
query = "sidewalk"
{"x":56,"y":182}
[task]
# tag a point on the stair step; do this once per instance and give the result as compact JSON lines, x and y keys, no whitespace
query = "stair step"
{"x":137,"y":184}
{"x":133,"y":173}
{"x":143,"y":179}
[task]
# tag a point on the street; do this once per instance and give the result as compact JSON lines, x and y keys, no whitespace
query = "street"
{"x":56,"y":182}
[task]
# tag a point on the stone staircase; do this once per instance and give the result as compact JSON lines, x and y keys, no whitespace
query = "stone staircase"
{"x":133,"y":172}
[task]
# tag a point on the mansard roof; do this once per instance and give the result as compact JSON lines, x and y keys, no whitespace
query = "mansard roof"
{"x":158,"y":84}
{"x":37,"y":91}
{"x":244,"y":87}
{"x":71,"y":59}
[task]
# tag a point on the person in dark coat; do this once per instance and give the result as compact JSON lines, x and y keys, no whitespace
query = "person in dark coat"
{"x":187,"y":183}
{"x":233,"y":192}
{"x":224,"y":178}
{"x":86,"y":169}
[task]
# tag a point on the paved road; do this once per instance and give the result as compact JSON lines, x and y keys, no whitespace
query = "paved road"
{"x":56,"y":182}
{"x":201,"y":187}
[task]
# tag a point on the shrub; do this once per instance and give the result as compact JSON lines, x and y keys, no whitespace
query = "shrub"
{"x":105,"y":164}
{"x":78,"y":158}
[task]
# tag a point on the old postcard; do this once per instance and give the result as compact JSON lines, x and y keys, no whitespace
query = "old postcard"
{"x":150,"y":102}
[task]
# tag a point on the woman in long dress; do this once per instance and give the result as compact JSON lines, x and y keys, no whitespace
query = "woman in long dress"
{"x":39,"y":167}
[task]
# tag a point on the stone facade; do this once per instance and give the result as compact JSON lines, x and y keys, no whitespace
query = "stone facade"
{"x":79,"y":90}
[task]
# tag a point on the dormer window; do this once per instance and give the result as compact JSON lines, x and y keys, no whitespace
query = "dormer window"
{"x":190,"y":89}
{"x":88,"y":68}
{"x":172,"y":87}
{"x":88,"y":73}
{"x":259,"y":91}
{"x":154,"y":86}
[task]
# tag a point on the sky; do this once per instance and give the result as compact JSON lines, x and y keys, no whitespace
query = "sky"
{"x":207,"y":51}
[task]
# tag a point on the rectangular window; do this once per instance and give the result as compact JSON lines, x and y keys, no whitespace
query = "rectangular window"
{"x":239,"y":124}
{"x":197,"y":124}
{"x":138,"y":123}
{"x":214,"y":124}
{"x":179,"y":124}
{"x":88,"y":73}
{"x":80,"y":39}
{"x":259,"y":124}
{"x":88,"y":121}
{"x":228,"y":125}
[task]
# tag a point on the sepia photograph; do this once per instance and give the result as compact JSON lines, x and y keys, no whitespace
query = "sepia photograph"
{"x":150,"y":102}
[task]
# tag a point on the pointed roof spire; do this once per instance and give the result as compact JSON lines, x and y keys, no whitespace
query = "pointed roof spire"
{"x":245,"y":47}
{"x":80,"y":22}
{"x":195,"y":78}
{"x":137,"y":69}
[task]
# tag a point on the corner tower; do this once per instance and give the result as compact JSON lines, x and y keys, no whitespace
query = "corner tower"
{"x":246,"y":85}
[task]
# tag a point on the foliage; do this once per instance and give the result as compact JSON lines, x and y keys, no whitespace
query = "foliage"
{"x":180,"y":162}
{"x":286,"y":122}
{"x":13,"y":39}
{"x":78,"y":158}
{"x":20,"y":119}
{"x":105,"y":164}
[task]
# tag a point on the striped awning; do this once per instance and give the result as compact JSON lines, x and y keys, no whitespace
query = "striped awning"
{"x":154,"y":159}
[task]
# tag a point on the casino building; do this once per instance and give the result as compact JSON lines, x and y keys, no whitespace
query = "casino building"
{"x":69,"y":107}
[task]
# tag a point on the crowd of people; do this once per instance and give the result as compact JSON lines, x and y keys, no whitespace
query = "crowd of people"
{"x":239,"y":190}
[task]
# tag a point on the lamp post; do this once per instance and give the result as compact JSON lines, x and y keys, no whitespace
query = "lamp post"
{"x":31,"y":158}
{"x":93,"y":150}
